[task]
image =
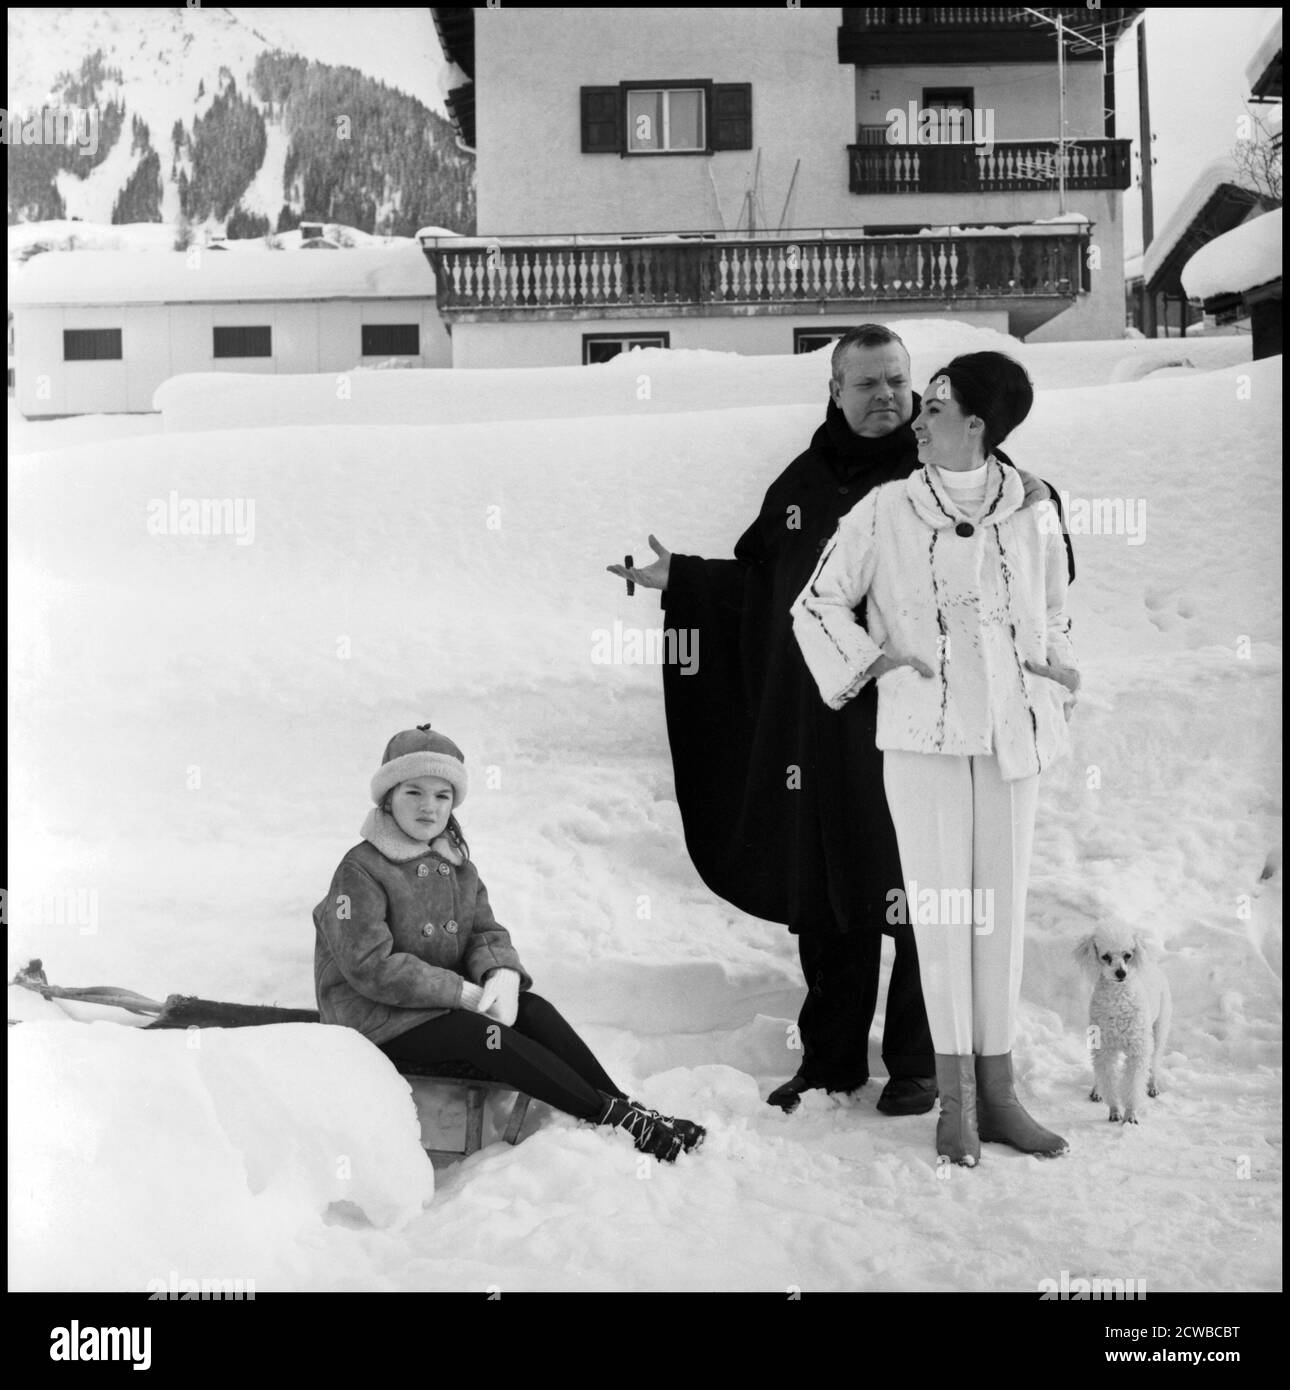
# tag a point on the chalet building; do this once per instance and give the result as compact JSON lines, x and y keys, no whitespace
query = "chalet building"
{"x":99,"y":331}
{"x":756,"y":180}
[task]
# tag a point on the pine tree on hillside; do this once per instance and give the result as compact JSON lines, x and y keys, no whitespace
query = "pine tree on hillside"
{"x":243,"y":225}
{"x":140,"y":199}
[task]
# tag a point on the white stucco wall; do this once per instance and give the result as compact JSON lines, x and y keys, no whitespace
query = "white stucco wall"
{"x":530,"y":64}
{"x":1023,"y":97}
{"x":532,"y":176}
{"x":161,"y":341}
{"x":560,"y":344}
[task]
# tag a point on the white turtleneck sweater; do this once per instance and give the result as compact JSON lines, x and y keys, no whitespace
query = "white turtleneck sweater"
{"x":966,"y":488}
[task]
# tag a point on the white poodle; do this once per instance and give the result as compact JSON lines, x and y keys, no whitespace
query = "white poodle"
{"x":1128,"y":1015}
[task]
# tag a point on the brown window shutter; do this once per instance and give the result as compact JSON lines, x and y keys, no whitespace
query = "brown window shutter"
{"x":602,"y":123}
{"x":731,"y":116}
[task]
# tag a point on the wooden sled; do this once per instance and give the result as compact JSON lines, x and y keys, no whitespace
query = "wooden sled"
{"x":188,"y":1011}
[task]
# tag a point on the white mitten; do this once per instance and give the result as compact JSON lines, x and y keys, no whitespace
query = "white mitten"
{"x":471,"y":996}
{"x":504,"y":1003}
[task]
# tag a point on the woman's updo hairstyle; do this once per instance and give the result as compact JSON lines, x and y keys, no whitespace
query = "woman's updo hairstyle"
{"x":990,"y":385}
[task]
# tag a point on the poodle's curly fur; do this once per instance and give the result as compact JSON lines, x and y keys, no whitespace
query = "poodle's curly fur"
{"x":1129,"y":1017}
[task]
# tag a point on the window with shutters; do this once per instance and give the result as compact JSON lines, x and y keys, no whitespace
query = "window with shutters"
{"x":391,"y":340}
{"x":671,"y":116}
{"x":91,"y":345}
{"x":665,"y":120}
{"x":244,"y":340}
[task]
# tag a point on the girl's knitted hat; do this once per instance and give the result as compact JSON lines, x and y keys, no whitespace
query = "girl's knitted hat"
{"x":420,"y":752}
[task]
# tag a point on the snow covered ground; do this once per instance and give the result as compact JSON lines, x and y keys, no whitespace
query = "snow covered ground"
{"x":194,"y":719}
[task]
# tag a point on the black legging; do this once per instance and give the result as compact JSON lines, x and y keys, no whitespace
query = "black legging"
{"x":540,"y":1055}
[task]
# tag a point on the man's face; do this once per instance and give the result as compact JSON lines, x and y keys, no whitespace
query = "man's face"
{"x":875,"y":394}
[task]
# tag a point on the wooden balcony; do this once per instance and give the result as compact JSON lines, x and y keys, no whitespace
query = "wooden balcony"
{"x":1030,"y":272}
{"x":1007,"y":166}
{"x":872,"y":35}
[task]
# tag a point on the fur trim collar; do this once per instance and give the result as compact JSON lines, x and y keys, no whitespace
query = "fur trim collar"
{"x":383,"y":834}
{"x":1005,"y":493}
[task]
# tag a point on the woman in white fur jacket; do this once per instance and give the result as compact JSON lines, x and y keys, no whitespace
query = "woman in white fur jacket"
{"x":966,"y":633}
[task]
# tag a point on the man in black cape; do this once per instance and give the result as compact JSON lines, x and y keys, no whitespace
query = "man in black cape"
{"x":782,"y":798}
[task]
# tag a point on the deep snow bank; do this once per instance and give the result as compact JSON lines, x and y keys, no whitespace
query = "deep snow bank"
{"x":142,"y":1154}
{"x":647,"y":382}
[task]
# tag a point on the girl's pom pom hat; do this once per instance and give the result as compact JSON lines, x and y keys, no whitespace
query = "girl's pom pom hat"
{"x":421,"y":752}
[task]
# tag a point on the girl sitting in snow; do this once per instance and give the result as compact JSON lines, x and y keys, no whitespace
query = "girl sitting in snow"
{"x":409,"y":953}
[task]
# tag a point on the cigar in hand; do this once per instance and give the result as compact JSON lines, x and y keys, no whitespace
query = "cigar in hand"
{"x":631,"y":587}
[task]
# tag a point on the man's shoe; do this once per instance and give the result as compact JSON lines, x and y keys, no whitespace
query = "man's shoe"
{"x":908,"y":1095}
{"x":789,"y":1096}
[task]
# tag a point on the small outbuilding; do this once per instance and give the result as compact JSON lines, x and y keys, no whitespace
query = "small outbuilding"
{"x":1238,"y":276}
{"x":99,"y":331}
{"x":1215,"y":203}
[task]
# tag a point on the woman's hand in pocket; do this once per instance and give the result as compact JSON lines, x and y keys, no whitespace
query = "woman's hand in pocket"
{"x":1065,"y":676}
{"x":886,"y":663}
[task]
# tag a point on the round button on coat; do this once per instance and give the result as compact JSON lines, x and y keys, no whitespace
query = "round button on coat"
{"x":423,"y":870}
{"x":444,"y":870}
{"x":428,"y":929}
{"x":450,"y":926}
{"x":964,"y":528}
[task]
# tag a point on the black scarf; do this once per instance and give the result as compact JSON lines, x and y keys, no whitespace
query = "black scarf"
{"x":852,"y":455}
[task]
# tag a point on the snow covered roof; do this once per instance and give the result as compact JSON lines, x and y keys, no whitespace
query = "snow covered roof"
{"x":1264,"y":55}
{"x":176,"y":277}
{"x":1210,"y":179}
{"x":1239,"y":260}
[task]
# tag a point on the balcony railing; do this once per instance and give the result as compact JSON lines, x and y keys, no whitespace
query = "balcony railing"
{"x":1007,"y":166}
{"x":975,"y":34}
{"x":583,"y":277}
{"x":973,"y":16}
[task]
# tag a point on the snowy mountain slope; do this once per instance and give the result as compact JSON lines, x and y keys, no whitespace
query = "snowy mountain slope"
{"x":165,"y":56}
{"x":153,"y":44}
{"x":173,"y":63}
{"x":195,"y":722}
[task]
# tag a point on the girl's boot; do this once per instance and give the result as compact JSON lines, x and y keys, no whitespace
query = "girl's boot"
{"x":649,"y":1133}
{"x":1002,"y":1119}
{"x":692,"y":1134}
{"x":956,"y":1136}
